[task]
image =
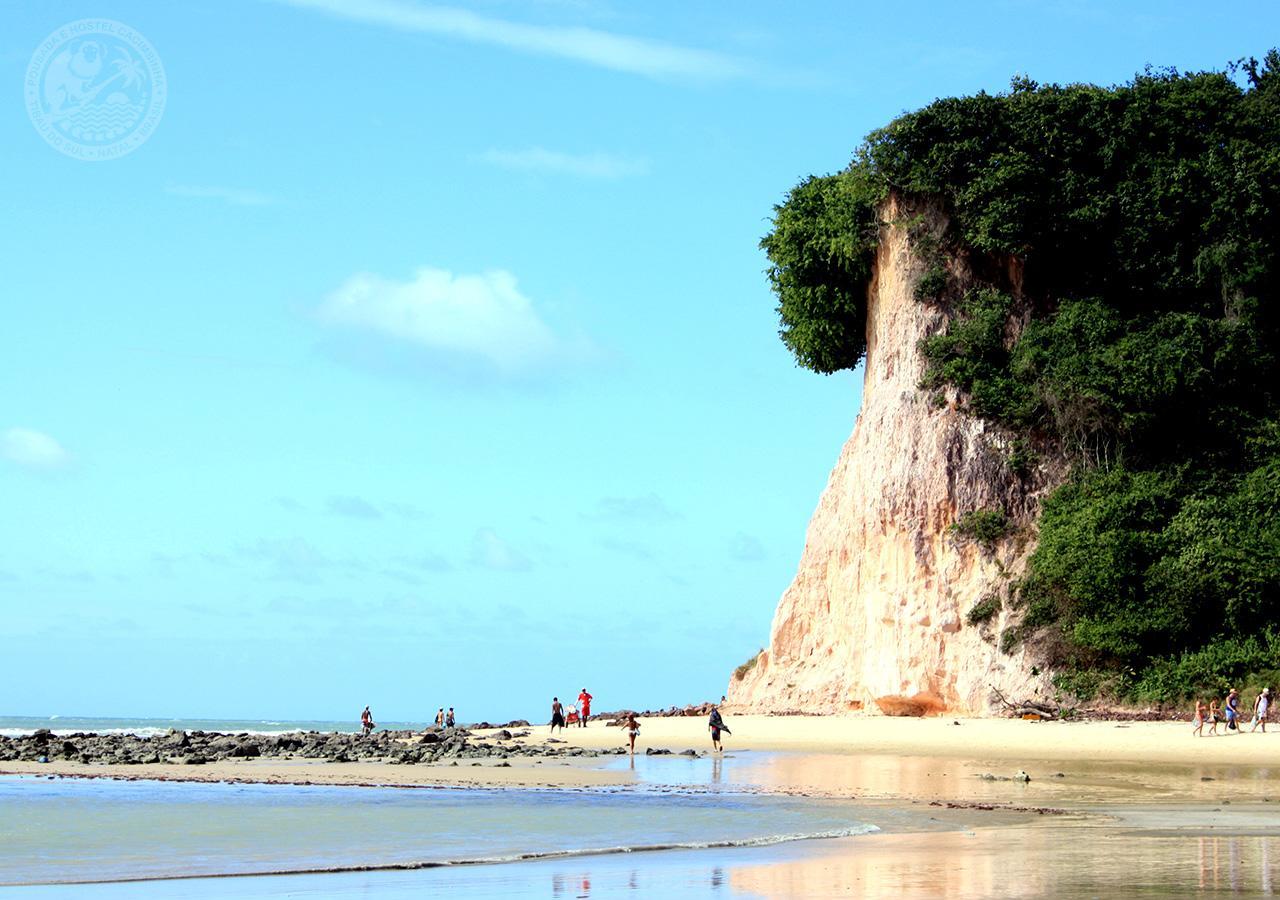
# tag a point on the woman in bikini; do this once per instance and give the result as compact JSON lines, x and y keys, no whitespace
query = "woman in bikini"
{"x":633,"y":731}
{"x":1198,"y":721}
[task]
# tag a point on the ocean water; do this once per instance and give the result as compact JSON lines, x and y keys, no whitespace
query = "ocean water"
{"x":14,"y":726}
{"x":62,"y":830}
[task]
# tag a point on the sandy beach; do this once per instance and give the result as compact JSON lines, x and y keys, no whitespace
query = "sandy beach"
{"x":864,"y":755}
{"x":1007,"y":739}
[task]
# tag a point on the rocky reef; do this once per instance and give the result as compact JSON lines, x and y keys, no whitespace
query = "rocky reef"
{"x":193,"y":748}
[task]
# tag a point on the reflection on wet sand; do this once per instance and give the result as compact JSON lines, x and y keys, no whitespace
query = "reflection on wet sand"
{"x":1037,"y":861}
{"x":1052,"y":783}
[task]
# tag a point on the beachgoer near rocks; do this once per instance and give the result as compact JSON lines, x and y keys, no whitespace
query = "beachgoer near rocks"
{"x":440,"y":717}
{"x":1231,"y":709}
{"x":584,"y":700}
{"x":449,"y":719}
{"x":716,"y":724}
{"x":366,"y":721}
{"x":1260,"y":707}
{"x":557,"y":715}
{"x":1214,"y":718}
{"x":1198,"y":721}
{"x":633,"y":731}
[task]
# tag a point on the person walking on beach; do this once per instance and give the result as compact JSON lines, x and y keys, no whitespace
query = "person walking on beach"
{"x":557,"y":714}
{"x":366,"y":722}
{"x":449,"y":719}
{"x":1231,"y":708}
{"x":584,"y":703}
{"x":633,"y":731}
{"x":440,"y":717}
{"x":1214,"y":718}
{"x":1198,"y":721}
{"x":1260,"y":707}
{"x":716,"y":725}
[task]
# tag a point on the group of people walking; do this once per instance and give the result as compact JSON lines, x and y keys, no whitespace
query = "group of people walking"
{"x":578,"y":715}
{"x":1230,"y":715}
{"x":715,"y":724}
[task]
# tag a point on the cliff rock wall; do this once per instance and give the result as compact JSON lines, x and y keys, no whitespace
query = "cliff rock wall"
{"x":878,"y":606}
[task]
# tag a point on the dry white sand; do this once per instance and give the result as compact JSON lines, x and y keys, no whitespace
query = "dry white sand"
{"x":1011,"y":739}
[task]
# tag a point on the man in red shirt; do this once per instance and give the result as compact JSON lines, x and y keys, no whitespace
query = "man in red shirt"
{"x":584,"y":703}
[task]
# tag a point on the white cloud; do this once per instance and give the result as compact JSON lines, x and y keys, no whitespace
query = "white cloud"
{"x":580,"y":165}
{"x":482,"y":317}
{"x":231,"y":196}
{"x":33,"y":449}
{"x":491,"y":552}
{"x":617,"y":52}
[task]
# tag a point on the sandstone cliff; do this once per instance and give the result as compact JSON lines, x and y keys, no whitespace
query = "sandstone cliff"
{"x":878,"y":607}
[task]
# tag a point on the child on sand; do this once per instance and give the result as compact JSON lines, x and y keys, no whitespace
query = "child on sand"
{"x":1214,"y":718}
{"x":633,"y":731}
{"x":1198,"y":721}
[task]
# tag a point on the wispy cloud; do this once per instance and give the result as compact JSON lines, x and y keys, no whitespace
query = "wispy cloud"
{"x":633,"y":549}
{"x":33,"y":449}
{"x":293,"y":559}
{"x":746,"y":548}
{"x":406,"y":511}
{"x":228,"y":195}
{"x":352,"y":508}
{"x":491,"y":552}
{"x":579,"y":165}
{"x":646,"y":508}
{"x":591,"y":46}
{"x":481,"y":319}
{"x":426,"y":562}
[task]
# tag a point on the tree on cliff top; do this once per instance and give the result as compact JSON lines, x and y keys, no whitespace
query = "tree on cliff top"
{"x":1146,"y":219}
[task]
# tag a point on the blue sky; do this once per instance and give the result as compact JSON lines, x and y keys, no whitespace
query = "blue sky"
{"x":423,"y":354}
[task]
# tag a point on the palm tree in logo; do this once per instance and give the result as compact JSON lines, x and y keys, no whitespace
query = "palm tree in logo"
{"x":129,"y":68}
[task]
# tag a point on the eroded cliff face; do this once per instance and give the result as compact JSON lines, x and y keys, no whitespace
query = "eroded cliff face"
{"x":878,"y":606}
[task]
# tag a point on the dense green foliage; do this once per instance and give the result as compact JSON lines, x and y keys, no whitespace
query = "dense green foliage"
{"x":1141,"y":339}
{"x":986,"y":526}
{"x":821,"y":249}
{"x":983,"y":610}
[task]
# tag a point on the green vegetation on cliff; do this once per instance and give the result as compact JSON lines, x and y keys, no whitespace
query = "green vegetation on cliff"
{"x":1121,"y":258}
